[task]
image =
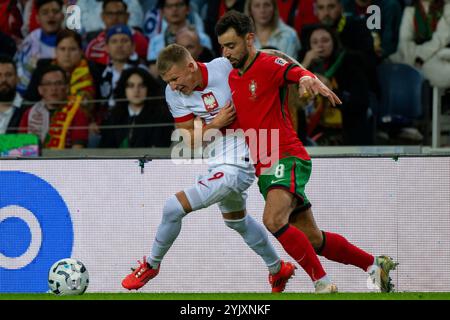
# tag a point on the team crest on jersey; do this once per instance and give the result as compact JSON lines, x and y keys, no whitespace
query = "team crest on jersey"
{"x":280,"y":61}
{"x":210,"y":101}
{"x":252,"y":87}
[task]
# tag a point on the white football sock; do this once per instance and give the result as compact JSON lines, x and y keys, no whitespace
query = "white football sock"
{"x":255,"y":236}
{"x":168,"y":230}
{"x":325,"y":279}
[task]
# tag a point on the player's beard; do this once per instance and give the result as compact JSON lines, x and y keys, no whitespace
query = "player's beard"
{"x":241,"y":62}
{"x":7,"y":95}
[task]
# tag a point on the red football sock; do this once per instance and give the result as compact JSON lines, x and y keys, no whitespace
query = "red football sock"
{"x":338,"y":249}
{"x":298,"y":247}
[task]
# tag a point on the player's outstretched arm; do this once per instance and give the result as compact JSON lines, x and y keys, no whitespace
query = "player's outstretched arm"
{"x":308,"y":86}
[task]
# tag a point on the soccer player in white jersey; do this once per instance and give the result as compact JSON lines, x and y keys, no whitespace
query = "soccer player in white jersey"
{"x":199,"y":90}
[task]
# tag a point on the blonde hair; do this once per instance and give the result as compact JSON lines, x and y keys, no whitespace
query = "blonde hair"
{"x":171,"y":55}
{"x":275,"y":17}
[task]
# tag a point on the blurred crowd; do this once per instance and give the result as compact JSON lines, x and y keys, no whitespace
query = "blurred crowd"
{"x":96,"y":86}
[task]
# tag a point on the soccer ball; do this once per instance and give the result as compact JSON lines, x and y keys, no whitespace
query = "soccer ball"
{"x":68,"y":277}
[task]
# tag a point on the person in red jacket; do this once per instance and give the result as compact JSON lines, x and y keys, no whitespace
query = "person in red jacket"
{"x":297,"y":13}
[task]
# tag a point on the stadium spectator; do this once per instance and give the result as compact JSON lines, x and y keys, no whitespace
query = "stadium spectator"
{"x":114,"y":12}
{"x":69,"y":56}
{"x":425,"y":40}
{"x":29,"y":11}
{"x":215,"y":10}
{"x":340,"y":71}
{"x":120,"y":49}
{"x":92,"y":12}
{"x":188,"y":38}
{"x":270,"y":30}
{"x":133,"y":108}
{"x":385,"y":40}
{"x":10,"y":99}
{"x":352,"y":33}
{"x":175,"y":12}
{"x":54,"y":117}
{"x":41,"y":42}
{"x":297,"y":13}
{"x":155,"y":23}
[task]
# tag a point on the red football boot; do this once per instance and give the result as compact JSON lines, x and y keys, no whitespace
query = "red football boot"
{"x":140,"y":276}
{"x":278,"y":281}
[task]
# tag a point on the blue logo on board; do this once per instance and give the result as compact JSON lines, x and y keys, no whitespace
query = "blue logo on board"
{"x":35,"y":231}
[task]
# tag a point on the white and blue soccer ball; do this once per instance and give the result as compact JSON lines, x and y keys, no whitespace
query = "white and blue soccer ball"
{"x":68,"y":277}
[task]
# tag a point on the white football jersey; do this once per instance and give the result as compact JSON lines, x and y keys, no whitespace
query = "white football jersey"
{"x":206,"y":103}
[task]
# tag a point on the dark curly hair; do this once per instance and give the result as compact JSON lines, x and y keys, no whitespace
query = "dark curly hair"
{"x":240,"y":22}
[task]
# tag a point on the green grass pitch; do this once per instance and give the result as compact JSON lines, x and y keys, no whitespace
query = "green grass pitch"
{"x":235,"y":296}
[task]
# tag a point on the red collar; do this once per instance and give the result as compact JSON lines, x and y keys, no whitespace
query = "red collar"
{"x":204,"y":72}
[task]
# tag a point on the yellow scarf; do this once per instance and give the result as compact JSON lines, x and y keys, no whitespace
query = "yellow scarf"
{"x":60,"y":123}
{"x":82,"y":84}
{"x":81,"y":81}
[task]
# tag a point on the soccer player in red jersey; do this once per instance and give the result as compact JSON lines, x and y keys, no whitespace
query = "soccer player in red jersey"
{"x":259,"y":86}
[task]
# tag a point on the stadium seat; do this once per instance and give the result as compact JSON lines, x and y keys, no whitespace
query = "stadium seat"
{"x":402,"y":98}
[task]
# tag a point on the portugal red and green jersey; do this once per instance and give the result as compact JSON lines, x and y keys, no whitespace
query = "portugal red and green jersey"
{"x":260,"y":96}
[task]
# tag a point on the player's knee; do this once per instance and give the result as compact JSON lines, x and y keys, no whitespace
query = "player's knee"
{"x":173,"y":210}
{"x":273,"y":223}
{"x":314,"y":235}
{"x":240,"y":225}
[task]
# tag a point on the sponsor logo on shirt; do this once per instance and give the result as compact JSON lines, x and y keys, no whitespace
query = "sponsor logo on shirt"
{"x":280,"y":61}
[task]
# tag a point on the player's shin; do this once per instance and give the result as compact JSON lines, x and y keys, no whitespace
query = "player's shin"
{"x":337,"y":248}
{"x":298,"y":247}
{"x":168,"y":230}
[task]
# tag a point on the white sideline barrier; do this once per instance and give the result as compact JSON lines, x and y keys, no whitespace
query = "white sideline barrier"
{"x":399,"y":208}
